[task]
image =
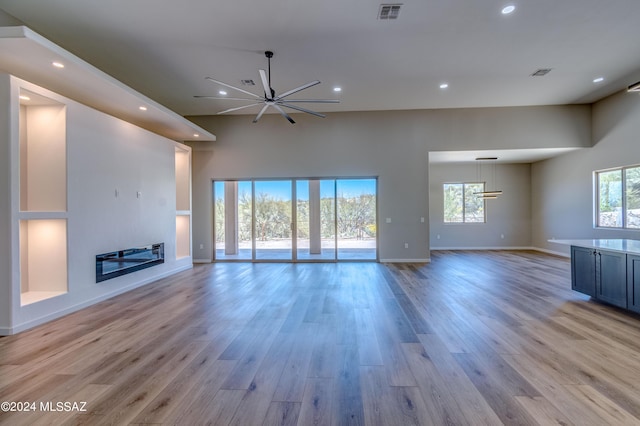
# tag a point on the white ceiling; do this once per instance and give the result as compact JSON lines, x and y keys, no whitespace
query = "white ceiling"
{"x":166,"y":49}
{"x":29,"y":56}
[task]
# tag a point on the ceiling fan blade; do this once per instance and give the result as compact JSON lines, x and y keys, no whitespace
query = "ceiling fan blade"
{"x":297,"y":89}
{"x":238,"y":108}
{"x":317,"y":101}
{"x":308,"y":111}
{"x":264,"y":108}
{"x":284,"y":114}
{"x":265,"y":84}
{"x":233,"y":87}
{"x":223,"y":97}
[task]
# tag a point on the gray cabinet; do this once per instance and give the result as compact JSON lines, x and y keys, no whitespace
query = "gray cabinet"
{"x":601,"y":274}
{"x":583,"y":270}
{"x":633,"y":282}
{"x":611,"y":277}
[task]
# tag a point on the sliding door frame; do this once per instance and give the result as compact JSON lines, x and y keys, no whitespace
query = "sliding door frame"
{"x":294,"y":220}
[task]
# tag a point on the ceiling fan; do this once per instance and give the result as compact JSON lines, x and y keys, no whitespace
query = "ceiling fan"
{"x":270,"y":98}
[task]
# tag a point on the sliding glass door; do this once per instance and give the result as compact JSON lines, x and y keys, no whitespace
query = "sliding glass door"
{"x":295,"y":219}
{"x":315,"y":219}
{"x":232,"y":211}
{"x":273,"y":220}
{"x":356,"y":219}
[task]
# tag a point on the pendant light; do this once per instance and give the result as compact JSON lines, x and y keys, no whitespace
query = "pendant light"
{"x":487,"y":195}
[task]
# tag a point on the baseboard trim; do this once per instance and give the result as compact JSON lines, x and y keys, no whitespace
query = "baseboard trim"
{"x":74,"y":308}
{"x":484,"y":248}
{"x":553,"y":252}
{"x":201,"y":260}
{"x":543,"y":250}
{"x":427,"y":260}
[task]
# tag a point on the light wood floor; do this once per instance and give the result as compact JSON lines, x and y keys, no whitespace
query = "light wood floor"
{"x":473,"y":338}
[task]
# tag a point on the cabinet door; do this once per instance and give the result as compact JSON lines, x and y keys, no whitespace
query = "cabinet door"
{"x":611,"y":277}
{"x":633,"y":282}
{"x":583,"y":273}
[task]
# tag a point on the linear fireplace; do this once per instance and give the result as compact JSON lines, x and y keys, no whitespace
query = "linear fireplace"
{"x":122,"y":262}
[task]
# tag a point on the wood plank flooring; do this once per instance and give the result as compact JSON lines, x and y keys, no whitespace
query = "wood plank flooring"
{"x":472,"y":338}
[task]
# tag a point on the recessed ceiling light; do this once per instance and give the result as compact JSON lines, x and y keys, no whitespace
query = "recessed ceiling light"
{"x":222,"y":92}
{"x":58,"y":64}
{"x":25,"y":98}
{"x":143,"y":108}
{"x":195,"y":135}
{"x":598,"y":80}
{"x":337,"y":89}
{"x":444,"y":85}
{"x":508,"y":9}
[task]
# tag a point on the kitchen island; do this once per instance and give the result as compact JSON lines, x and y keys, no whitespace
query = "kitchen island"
{"x":607,"y":270}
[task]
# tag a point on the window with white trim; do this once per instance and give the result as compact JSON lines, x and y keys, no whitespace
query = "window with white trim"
{"x":618,"y":198}
{"x":463,"y":203}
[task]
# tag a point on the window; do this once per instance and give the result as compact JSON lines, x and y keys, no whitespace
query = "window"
{"x":618,"y":198}
{"x":462,"y":203}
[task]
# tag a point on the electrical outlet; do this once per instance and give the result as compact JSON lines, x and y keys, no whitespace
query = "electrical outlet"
{"x":406,"y":245}
{"x":201,"y":246}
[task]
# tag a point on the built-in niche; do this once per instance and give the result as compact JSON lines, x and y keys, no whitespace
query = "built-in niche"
{"x":183,"y":202}
{"x":43,"y":259}
{"x":43,"y":197}
{"x":183,"y":234}
{"x":43,"y":154}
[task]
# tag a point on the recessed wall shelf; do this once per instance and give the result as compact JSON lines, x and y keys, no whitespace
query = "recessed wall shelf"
{"x":43,"y":259}
{"x":43,"y":197}
{"x":183,"y":201}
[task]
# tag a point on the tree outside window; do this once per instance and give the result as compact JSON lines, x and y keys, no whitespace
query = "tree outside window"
{"x":462,"y":204}
{"x":618,"y":198}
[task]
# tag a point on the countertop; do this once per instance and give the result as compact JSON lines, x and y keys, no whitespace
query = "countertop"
{"x":620,"y":245}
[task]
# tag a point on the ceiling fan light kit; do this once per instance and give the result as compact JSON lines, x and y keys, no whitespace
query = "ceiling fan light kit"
{"x":270,"y":99}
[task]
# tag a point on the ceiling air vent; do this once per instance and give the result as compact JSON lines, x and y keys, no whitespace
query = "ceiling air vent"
{"x":634,"y":87}
{"x":389,"y":11}
{"x":541,"y":72}
{"x":247,"y":82}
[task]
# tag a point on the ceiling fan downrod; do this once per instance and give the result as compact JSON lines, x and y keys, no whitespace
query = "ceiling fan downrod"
{"x":269,"y":55}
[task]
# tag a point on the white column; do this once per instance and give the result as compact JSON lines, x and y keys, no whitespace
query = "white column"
{"x":9,"y":287}
{"x":231,"y":218}
{"x":315,"y":238}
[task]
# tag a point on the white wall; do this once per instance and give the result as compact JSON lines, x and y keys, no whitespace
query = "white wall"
{"x":104,"y":154}
{"x":509,"y":215}
{"x":392,"y":145}
{"x":563,"y":191}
